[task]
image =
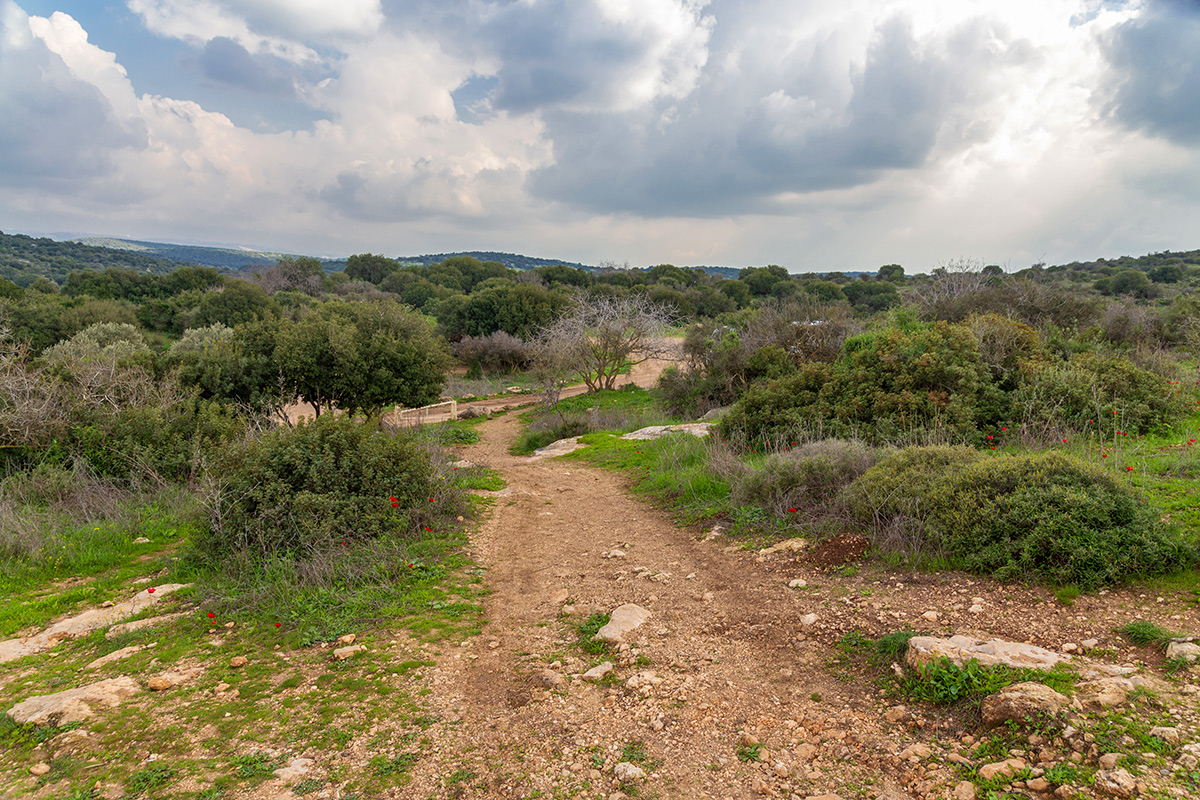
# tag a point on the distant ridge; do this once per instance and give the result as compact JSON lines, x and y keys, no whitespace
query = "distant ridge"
{"x":227,"y":258}
{"x":510,"y":260}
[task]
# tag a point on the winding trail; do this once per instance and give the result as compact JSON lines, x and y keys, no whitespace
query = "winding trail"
{"x":723,"y":652}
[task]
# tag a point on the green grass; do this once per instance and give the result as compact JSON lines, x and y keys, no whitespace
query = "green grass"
{"x":945,"y":683}
{"x":1143,"y":632}
{"x":100,"y":558}
{"x":586,"y":632}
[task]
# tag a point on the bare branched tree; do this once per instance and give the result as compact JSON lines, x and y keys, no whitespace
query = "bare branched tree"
{"x":598,"y":337}
{"x":951,"y":280}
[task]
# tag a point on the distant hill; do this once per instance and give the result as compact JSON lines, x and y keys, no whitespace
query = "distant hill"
{"x":510,"y":260}
{"x":24,"y":259}
{"x":225,"y":258}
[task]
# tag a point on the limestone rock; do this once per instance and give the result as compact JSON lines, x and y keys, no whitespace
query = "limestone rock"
{"x":794,"y":545}
{"x":628,"y":773}
{"x":559,"y":448}
{"x":559,"y":597}
{"x":961,"y":649}
{"x":1109,"y":760}
{"x":39,"y":769}
{"x":347,"y":639}
{"x":342,"y":653}
{"x":808,"y":620}
{"x":1005,"y":769}
{"x":623,"y":620}
{"x":1189,"y":651}
{"x":238,"y":661}
{"x":1116,"y":782}
{"x":797,"y":583}
{"x":73,"y":705}
{"x":1170,"y":735}
{"x":1104,"y":693}
{"x":1021,"y":701}
{"x":122,"y":628}
{"x":548,"y":678}
{"x":598,"y":672}
{"x":295,"y":768}
{"x":895,"y":714}
{"x":964,"y":791}
{"x":169,"y":680}
{"x":84,"y":623}
{"x":117,"y":655}
{"x":700,"y":429}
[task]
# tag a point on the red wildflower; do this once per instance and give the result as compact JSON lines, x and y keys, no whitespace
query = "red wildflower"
{"x":791,"y":511}
{"x":150,"y":590}
{"x":211,"y":615}
{"x":277,"y":624}
{"x":1129,"y":469}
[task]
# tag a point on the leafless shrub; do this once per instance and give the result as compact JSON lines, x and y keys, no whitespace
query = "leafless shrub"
{"x":497,"y":352}
{"x":1127,"y":323}
{"x":596,"y":338}
{"x":32,"y":411}
{"x":808,"y":331}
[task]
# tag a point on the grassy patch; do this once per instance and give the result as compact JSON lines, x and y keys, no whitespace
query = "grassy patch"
{"x":1144,"y":632}
{"x":587,"y":631}
{"x":945,"y":683}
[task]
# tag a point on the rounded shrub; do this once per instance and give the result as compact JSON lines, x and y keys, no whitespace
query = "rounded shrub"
{"x":1055,"y":518}
{"x":306,"y":490}
{"x":1046,"y":517}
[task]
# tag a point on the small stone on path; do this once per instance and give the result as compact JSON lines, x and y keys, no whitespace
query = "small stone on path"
{"x":623,"y":620}
{"x":39,"y":769}
{"x":238,"y":661}
{"x":598,"y":672}
{"x":628,"y":773}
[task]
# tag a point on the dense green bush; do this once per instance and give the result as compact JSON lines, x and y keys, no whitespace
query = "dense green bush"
{"x":304,"y":491}
{"x":1090,"y":389}
{"x":899,"y":383}
{"x":1048,"y":517}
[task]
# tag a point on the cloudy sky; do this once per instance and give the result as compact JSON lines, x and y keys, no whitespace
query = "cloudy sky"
{"x":815,"y":134}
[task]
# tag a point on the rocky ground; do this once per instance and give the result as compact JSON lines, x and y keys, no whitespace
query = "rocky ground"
{"x":749,"y":675}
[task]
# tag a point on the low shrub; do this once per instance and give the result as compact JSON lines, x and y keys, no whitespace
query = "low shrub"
{"x":809,"y":477}
{"x":1047,"y":517}
{"x":307,"y":490}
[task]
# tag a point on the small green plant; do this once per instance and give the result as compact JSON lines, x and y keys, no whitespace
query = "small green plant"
{"x":398,"y":764}
{"x":635,"y":753}
{"x":307,"y":786}
{"x":1066,"y":595}
{"x":1062,"y":774}
{"x":587,"y":632}
{"x":255,"y":765}
{"x":152,"y":777}
{"x":892,"y":647}
{"x":749,"y":753}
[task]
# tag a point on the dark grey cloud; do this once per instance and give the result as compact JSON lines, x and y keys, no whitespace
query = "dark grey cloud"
{"x":55,"y":130}
{"x":1154,"y":78}
{"x":226,"y":61}
{"x":737,"y":142}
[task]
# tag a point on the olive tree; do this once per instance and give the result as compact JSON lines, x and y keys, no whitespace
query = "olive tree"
{"x":598,"y":337}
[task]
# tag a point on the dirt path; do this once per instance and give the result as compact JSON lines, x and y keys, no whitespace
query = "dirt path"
{"x":722,"y":653}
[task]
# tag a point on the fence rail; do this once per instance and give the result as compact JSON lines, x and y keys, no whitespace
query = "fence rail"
{"x":414,"y":417}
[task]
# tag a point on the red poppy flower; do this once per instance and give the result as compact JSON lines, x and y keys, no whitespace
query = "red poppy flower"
{"x":277,"y":624}
{"x":791,"y":511}
{"x":1004,"y":429}
{"x":989,"y":436}
{"x":429,"y":529}
{"x":150,"y":590}
{"x":1105,"y":455}
{"x":211,"y":615}
{"x":343,"y":544}
{"x":1064,"y":441}
{"x":1129,"y":469}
